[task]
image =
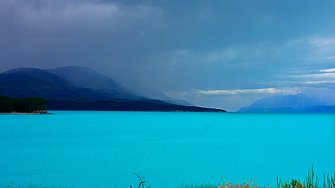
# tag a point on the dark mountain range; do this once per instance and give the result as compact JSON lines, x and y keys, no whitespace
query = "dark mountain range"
{"x":26,"y":82}
{"x":285,"y":104}
{"x":73,"y":88}
{"x":87,"y":78}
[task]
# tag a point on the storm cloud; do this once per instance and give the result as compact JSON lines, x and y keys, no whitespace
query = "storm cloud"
{"x":211,"y":53}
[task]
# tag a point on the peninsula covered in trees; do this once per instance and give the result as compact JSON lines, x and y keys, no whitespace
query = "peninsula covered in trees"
{"x":23,"y":105}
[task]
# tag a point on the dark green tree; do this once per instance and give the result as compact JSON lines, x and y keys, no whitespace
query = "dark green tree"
{"x":29,"y":104}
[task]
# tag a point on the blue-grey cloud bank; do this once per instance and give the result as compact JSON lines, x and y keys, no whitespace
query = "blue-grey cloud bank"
{"x":223,"y":54}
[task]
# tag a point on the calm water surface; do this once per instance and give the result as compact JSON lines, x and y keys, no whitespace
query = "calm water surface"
{"x":104,"y":149}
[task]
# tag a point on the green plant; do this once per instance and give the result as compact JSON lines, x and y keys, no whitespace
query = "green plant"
{"x":311,"y":181}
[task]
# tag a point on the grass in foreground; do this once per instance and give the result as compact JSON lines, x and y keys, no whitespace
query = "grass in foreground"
{"x":311,"y":181}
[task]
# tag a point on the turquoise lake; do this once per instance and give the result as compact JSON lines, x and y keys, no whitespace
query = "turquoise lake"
{"x":105,"y":149}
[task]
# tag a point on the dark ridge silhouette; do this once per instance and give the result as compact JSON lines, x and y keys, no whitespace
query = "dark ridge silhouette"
{"x":129,"y":88}
{"x":124,"y":105}
{"x":87,"y":78}
{"x":25,"y":82}
{"x":73,"y":94}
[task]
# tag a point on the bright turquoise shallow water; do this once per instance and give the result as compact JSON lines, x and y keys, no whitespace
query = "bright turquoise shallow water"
{"x":104,"y":149}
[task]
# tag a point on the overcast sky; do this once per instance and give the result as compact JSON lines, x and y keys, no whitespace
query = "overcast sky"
{"x":224,"y":54}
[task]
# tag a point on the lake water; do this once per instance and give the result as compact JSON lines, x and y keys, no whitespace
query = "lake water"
{"x":104,"y":149}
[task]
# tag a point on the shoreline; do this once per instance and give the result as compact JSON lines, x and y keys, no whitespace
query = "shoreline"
{"x":25,"y":113}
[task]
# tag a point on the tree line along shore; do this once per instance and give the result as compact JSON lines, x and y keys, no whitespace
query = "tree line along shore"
{"x":22,"y":105}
